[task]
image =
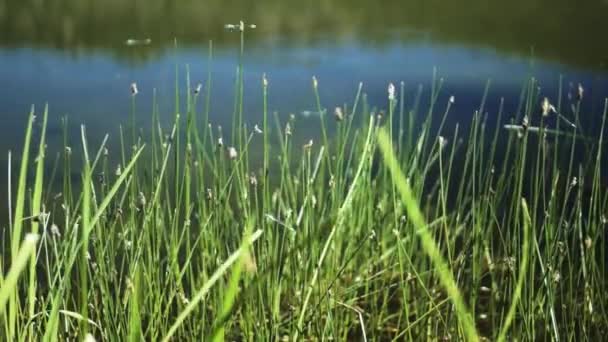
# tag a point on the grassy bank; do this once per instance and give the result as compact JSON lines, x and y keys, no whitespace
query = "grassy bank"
{"x":391,"y":226}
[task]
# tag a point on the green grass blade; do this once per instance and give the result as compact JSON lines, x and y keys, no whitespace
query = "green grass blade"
{"x":9,"y":284}
{"x":219,"y":273}
{"x":523,"y":268}
{"x":108,"y":199}
{"x":37,"y":199}
{"x":341,"y":217}
{"x":233,"y":286}
{"x":18,"y":219}
{"x":430,"y":247}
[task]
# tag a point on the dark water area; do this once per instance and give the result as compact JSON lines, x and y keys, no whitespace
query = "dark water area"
{"x":75,"y":55}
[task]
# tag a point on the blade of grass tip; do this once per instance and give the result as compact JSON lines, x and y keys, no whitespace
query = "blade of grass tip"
{"x":20,"y":201}
{"x":161,"y":175}
{"x":86,"y":229}
{"x":217,"y":275}
{"x":88,"y":223}
{"x":266,"y":134}
{"x":339,"y":221}
{"x":523,"y":268}
{"x":53,"y":323}
{"x":10,"y":190}
{"x":9,"y":284}
{"x":18,"y":218}
{"x":51,"y":332}
{"x":426,"y":238}
{"x":37,"y":198}
{"x":207,"y":105}
{"x":106,"y":201}
{"x":240,"y":86}
{"x":322,"y":112}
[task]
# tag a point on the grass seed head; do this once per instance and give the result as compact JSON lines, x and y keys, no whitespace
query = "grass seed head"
{"x":391,"y":92}
{"x":442,"y":142}
{"x":556,"y":277}
{"x":339,"y":114}
{"x":524,"y":126}
{"x":588,"y":242}
{"x":232,"y":154}
{"x":141,"y":199}
{"x":183,"y":298}
{"x":288,"y":129}
{"x":547,"y":107}
{"x":308,"y":145}
{"x":134,"y":90}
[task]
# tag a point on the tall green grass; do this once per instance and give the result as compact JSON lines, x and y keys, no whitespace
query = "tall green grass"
{"x":384,"y":227}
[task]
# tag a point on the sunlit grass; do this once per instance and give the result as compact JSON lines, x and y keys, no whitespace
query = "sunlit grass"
{"x":382,"y":227}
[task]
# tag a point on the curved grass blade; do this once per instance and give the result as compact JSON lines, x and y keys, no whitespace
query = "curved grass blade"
{"x":207,"y":286}
{"x":341,"y":215}
{"x":430,"y":247}
{"x":9,"y":284}
{"x":523,"y":268}
{"x":18,"y":220}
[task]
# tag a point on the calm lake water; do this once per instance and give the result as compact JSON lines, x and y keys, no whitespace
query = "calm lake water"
{"x":72,"y":54}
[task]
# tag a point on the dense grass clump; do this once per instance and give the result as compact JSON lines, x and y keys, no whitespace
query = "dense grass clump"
{"x":383,"y":230}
